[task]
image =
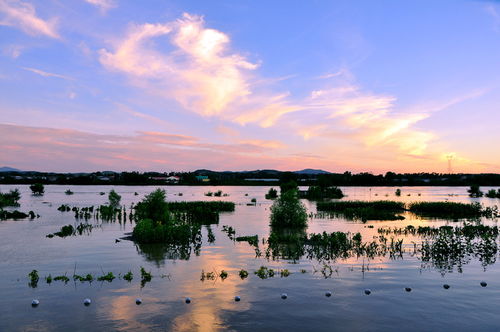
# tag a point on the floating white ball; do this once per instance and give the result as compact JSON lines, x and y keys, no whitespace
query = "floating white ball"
{"x":368,"y":291}
{"x":446,"y":286}
{"x":328,"y":294}
{"x":284,"y":296}
{"x":408,"y":289}
{"x":35,"y":303}
{"x":138,"y":301}
{"x":483,"y":284}
{"x":237,"y":298}
{"x":188,"y":300}
{"x":87,"y":302}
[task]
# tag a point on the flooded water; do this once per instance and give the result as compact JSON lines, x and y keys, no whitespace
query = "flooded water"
{"x":176,"y":275}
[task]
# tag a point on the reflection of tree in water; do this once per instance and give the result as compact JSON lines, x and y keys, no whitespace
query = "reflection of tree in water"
{"x":286,"y":243}
{"x":159,"y":252}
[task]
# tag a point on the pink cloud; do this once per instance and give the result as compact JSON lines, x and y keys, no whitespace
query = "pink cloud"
{"x":22,"y":15}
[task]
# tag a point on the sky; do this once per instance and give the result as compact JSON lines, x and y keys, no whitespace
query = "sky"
{"x":160,"y":85}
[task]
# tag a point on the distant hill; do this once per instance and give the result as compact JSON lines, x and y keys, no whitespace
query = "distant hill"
{"x":9,"y":169}
{"x":312,"y":171}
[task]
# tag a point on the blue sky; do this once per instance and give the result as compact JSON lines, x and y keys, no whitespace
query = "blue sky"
{"x":180,"y":85}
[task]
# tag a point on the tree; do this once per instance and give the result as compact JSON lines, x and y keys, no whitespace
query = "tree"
{"x":288,"y":186}
{"x":398,"y":192}
{"x":288,"y":211}
{"x":475,"y":191}
{"x":154,"y":207}
{"x":37,"y":189}
{"x":272,"y":194}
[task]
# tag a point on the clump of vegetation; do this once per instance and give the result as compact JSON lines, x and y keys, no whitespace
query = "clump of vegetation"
{"x":252,"y":240}
{"x":87,"y":278}
{"x":362,"y":210}
{"x":48,"y":279}
{"x":398,"y":192}
{"x":33,"y":279}
{"x":10,"y":199}
{"x":263,"y":272}
{"x":109,"y":277}
{"x":209,"y":194}
{"x":284,"y":273}
{"x":128,"y":276}
{"x":207,"y":275}
{"x":223,"y":275}
{"x":230,"y":231}
{"x":218,"y":193}
{"x":114,"y":199}
{"x":64,"y":208}
{"x":243,"y":274}
{"x":271,"y":194}
{"x":37,"y":189}
{"x":452,"y":210}
{"x":15,"y":215}
{"x":475,"y":191}
{"x":492,"y":193}
{"x":62,"y":278}
{"x":145,"y":276}
{"x":322,"y":192}
{"x":68,"y":192}
{"x":288,"y":211}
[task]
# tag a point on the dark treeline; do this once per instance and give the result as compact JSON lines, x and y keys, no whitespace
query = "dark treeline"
{"x":260,"y":177}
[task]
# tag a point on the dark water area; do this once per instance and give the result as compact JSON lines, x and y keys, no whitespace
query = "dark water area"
{"x":465,"y":306}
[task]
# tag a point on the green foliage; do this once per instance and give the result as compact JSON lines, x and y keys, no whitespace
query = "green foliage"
{"x":86,"y":278}
{"x":223,"y":275}
{"x":145,"y":276}
{"x":114,"y":199}
{"x":128,"y":276}
{"x":64,"y":208}
{"x":154,"y":207}
{"x":68,"y":192}
{"x":48,"y":279}
{"x":451,"y":210}
{"x":33,"y":277}
{"x":284,"y":273}
{"x":288,"y":186}
{"x":252,"y":240}
{"x":398,"y":192}
{"x":272,"y":194}
{"x":10,"y":199}
{"x":37,"y":189}
{"x":288,"y":211}
{"x":207,"y":275}
{"x":15,"y":215}
{"x":149,"y":231}
{"x":475,"y":191}
{"x":243,"y":274}
{"x":62,"y":278}
{"x":345,"y":205}
{"x":264,"y":272}
{"x":109,"y":277}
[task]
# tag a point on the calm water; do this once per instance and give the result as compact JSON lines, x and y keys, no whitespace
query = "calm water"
{"x":24,"y":247}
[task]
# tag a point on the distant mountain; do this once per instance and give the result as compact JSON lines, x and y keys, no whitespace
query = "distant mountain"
{"x":312,"y":171}
{"x":9,"y":169}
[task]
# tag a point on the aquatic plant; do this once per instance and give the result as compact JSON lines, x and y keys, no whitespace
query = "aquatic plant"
{"x":68,"y":192}
{"x":48,"y":279}
{"x":209,"y":194}
{"x":62,"y":278}
{"x":87,"y":278}
{"x":475,"y":191}
{"x":363,"y":210}
{"x":218,"y":193}
{"x":230,"y":231}
{"x":114,"y":199}
{"x":288,"y":211}
{"x":33,"y":278}
{"x":207,"y":275}
{"x":322,"y":192}
{"x":398,"y":192}
{"x":15,"y":215}
{"x":284,"y":273}
{"x":492,"y":193}
{"x":271,"y":194}
{"x":10,"y":199}
{"x":452,"y":210}
{"x":223,"y":275}
{"x":128,"y":276}
{"x":263,"y":272}
{"x":145,"y":276}
{"x":64,"y":208}
{"x":243,"y":274}
{"x":109,"y":277}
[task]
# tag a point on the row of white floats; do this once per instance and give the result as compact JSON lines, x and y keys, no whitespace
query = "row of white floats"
{"x":284,"y":296}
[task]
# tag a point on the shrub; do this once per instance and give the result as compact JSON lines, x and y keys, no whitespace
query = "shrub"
{"x":272,"y":194}
{"x":113,"y":198}
{"x":153,"y":207}
{"x":474,"y":191}
{"x":318,"y":192}
{"x":288,"y":211}
{"x":10,"y":199}
{"x":37,"y":189}
{"x":398,"y":192}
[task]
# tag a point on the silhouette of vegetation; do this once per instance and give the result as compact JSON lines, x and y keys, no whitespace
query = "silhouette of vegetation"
{"x":398,"y":192}
{"x":68,"y":192}
{"x":272,"y":194}
{"x":475,"y":191}
{"x":33,"y":279}
{"x":37,"y":189}
{"x":363,"y":210}
{"x":252,"y":240}
{"x":319,"y":192}
{"x":15,"y":215}
{"x":492,"y":193}
{"x":114,"y":199}
{"x":452,"y":210}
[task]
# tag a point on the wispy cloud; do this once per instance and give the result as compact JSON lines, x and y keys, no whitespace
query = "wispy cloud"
{"x":103,"y":5}
{"x":22,"y":15}
{"x":47,"y":74}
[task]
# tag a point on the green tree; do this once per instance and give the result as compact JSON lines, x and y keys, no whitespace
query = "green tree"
{"x":154,"y":207}
{"x":37,"y":189}
{"x":114,"y":199}
{"x":475,"y":191}
{"x":288,"y":211}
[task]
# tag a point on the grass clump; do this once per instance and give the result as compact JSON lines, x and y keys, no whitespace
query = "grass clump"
{"x":452,"y":210}
{"x":15,"y":215}
{"x":492,"y":193}
{"x":363,"y":210}
{"x":87,"y":278}
{"x":113,"y":198}
{"x":145,"y":276}
{"x":252,"y":240}
{"x":68,"y":192}
{"x":128,"y":276}
{"x":62,"y":278}
{"x":322,"y":192}
{"x":475,"y":191}
{"x":37,"y":189}
{"x":264,"y":272}
{"x":223,"y":275}
{"x":207,"y":275}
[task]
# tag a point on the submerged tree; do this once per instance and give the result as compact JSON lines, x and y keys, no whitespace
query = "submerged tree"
{"x":288,"y":211}
{"x":37,"y":189}
{"x":272,"y":194}
{"x":475,"y":191}
{"x":10,"y":199}
{"x":113,"y":198}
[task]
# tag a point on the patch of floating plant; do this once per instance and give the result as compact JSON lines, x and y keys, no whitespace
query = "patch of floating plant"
{"x":217,"y":193}
{"x":230,"y":231}
{"x":253,"y":240}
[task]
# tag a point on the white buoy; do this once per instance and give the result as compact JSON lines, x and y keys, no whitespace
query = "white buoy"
{"x":408,"y":289}
{"x":368,"y":291}
{"x":284,"y":296}
{"x":35,"y":303}
{"x":446,"y":286}
{"x":483,"y":284}
{"x":138,"y":301}
{"x":188,"y":300}
{"x":237,"y":298}
{"x":87,"y":302}
{"x":328,"y":294}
